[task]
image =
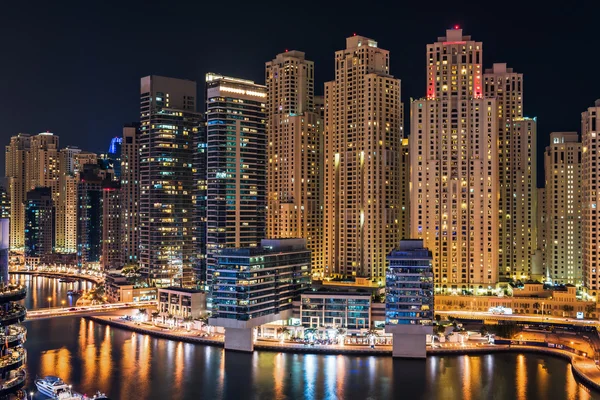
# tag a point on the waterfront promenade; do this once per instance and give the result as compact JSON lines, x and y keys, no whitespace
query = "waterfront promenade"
{"x":585,"y":369}
{"x":53,"y":274}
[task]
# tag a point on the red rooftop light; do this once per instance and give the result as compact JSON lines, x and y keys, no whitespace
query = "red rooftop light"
{"x":456,"y":27}
{"x":354,"y":34}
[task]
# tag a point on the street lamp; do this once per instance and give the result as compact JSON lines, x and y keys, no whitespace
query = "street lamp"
{"x":543,"y":310}
{"x":63,"y":302}
{"x":49,"y":300}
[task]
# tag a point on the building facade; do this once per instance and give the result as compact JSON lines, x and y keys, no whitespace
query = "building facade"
{"x":89,"y":216}
{"x":16,"y":174}
{"x":182,"y":302}
{"x":236,"y":165}
{"x":130,"y":195}
{"x":590,"y":185}
{"x":454,"y":167}
{"x":39,"y":222}
{"x":362,"y":177}
{"x":111,"y":226}
{"x":409,"y":285}
{"x":294,"y":135}
{"x":563,"y":223}
{"x":266,"y":280}
{"x":517,"y":161}
{"x":333,"y":310}
{"x":169,"y":124}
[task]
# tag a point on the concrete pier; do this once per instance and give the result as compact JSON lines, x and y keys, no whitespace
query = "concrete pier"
{"x":239,"y":339}
{"x":409,"y":341}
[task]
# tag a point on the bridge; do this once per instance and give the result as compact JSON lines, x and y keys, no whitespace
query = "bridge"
{"x":81,"y":311}
{"x":489,"y":317}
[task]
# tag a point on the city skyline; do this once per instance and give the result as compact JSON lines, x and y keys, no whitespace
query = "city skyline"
{"x":90,"y":126}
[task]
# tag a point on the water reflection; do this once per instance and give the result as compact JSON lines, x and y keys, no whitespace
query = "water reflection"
{"x":40,"y":289}
{"x":92,"y":356}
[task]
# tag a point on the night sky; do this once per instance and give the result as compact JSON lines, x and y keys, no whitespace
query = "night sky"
{"x":73,"y":68}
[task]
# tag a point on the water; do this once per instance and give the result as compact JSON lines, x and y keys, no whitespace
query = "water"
{"x":92,"y":356}
{"x":40,"y":288}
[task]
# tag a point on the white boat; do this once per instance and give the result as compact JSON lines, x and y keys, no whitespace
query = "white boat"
{"x":55,"y":388}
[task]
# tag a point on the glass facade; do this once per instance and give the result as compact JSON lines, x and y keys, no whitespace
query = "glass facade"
{"x":409,"y":285}
{"x":253,"y":282}
{"x":335,"y":310}
{"x":169,"y":129}
{"x":236,"y":165}
{"x":39,"y":222}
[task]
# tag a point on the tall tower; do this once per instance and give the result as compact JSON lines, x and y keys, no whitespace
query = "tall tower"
{"x":517,"y":157}
{"x":294,"y":131}
{"x":454,"y":167}
{"x":42,"y":163}
{"x":199,"y":197}
{"x":405,"y":192}
{"x":111,"y":225}
{"x":16,"y":174}
{"x":363,"y":139}
{"x":590,"y":131}
{"x":169,"y":124}
{"x":130,"y":194}
{"x":236,"y":166}
{"x":39,"y":222}
{"x":562,"y":164}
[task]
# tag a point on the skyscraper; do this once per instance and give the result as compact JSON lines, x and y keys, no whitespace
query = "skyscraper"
{"x":405,"y":192}
{"x":363,"y":145}
{"x":42,"y":164}
{"x":454,"y":167}
{"x":517,"y":157}
{"x":71,"y":161}
{"x":294,"y":134}
{"x":114,"y":155}
{"x":199,"y":199}
{"x":90,"y":215}
{"x":111,"y":225}
{"x":39,"y":222}
{"x":562,"y":164}
{"x":130,"y":194}
{"x":169,"y":124}
{"x":236,"y":164}
{"x":590,"y":127}
{"x":16,"y":174}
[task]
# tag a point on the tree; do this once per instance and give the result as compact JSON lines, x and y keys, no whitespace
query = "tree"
{"x":438,"y":318}
{"x":461,"y":305}
{"x":590,"y":308}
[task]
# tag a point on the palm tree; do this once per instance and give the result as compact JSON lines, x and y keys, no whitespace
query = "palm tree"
{"x":143,"y":313}
{"x":187,"y":320}
{"x":341,"y":333}
{"x":590,"y":308}
{"x":155,"y":314}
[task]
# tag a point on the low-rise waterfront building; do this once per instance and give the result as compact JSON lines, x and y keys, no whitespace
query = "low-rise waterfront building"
{"x":182,"y":302}
{"x":532,"y":299}
{"x":255,"y":286}
{"x":409,"y":298}
{"x":329,"y":309}
{"x":122,"y":289}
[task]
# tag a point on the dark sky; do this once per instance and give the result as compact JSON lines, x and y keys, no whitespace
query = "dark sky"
{"x":73,"y":68}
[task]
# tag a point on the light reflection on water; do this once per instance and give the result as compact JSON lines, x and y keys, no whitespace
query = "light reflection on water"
{"x":92,"y":356}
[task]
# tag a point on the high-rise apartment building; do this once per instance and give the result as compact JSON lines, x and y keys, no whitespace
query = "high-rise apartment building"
{"x":363,"y":146}
{"x":39,"y":222}
{"x":539,"y":270}
{"x":236,"y":164}
{"x":517,"y":157}
{"x":4,"y":202}
{"x":111,"y":226}
{"x":90,"y":215}
{"x":562,"y":164}
{"x":16,"y":174}
{"x":130,"y":194}
{"x":405,"y":192}
{"x":590,"y":184}
{"x":42,"y":164}
{"x":169,"y":124}
{"x":199,"y":199}
{"x":71,"y":162}
{"x":454,"y":167}
{"x":294,"y":172}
